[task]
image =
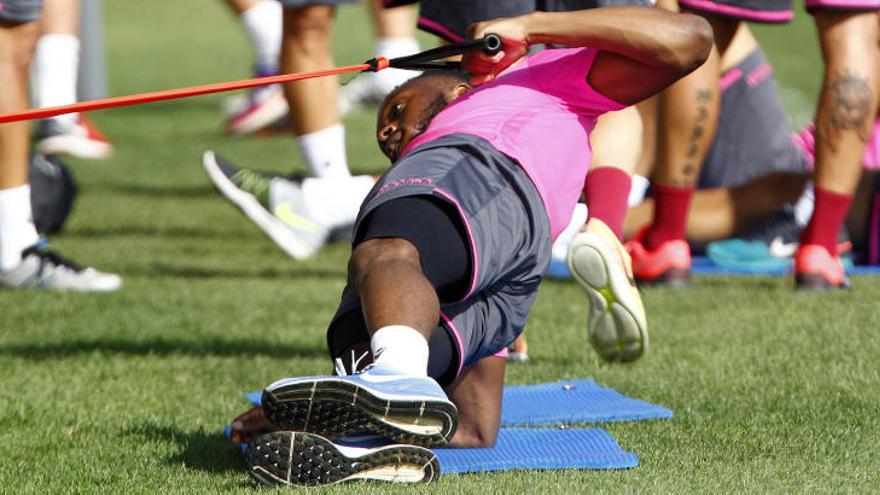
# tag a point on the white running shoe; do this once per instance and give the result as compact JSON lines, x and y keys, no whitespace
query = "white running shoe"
{"x":41,"y":269}
{"x":79,"y":139}
{"x":299,"y":458}
{"x":616,"y":322}
{"x":284,"y":220}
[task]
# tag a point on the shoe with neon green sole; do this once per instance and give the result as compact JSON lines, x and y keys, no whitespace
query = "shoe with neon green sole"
{"x":275,"y":204}
{"x":616,"y":322}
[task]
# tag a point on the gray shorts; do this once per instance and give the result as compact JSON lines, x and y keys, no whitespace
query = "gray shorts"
{"x":754,"y":135}
{"x":450,"y":19}
{"x":306,"y":3}
{"x":508,"y":233}
{"x":20,"y":11}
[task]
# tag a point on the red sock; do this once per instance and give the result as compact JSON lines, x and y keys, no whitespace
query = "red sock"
{"x":828,"y":216}
{"x":671,"y":206}
{"x":606,"y":191}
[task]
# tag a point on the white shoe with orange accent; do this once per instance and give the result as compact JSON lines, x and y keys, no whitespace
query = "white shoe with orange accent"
{"x":616,"y":322}
{"x":79,"y":139}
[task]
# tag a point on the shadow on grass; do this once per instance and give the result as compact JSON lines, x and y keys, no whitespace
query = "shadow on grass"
{"x":295,"y":271}
{"x":159,"y":191}
{"x":148,"y":231}
{"x":163,"y":347}
{"x":206,"y":451}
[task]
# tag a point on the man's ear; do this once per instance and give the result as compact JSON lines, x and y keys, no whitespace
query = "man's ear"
{"x":460,"y":89}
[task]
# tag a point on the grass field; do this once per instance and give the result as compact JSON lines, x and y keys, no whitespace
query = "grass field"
{"x":128,"y":392}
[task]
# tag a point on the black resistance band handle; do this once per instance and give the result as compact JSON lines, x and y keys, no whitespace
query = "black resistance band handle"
{"x":430,"y":59}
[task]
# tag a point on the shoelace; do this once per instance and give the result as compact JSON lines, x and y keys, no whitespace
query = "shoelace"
{"x":339,"y":365}
{"x":47,"y":256}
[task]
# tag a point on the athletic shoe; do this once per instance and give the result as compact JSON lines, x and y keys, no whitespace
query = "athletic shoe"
{"x":769,"y":246}
{"x":42,"y":269}
{"x":669,"y":265}
{"x":616,"y":322}
{"x":299,"y":458}
{"x":405,"y":409}
{"x":265,"y":106}
{"x":816,"y":269}
{"x":285,"y":221}
{"x":79,"y":139}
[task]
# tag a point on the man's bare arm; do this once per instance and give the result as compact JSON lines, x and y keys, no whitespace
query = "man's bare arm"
{"x":642,"y":49}
{"x":477,"y":395}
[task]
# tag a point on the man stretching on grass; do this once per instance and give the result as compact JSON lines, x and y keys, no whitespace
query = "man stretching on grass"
{"x":451,"y":244}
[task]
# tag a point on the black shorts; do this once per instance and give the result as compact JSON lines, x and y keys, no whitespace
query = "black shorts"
{"x":305,"y":3}
{"x":766,"y":11}
{"x":20,"y":11}
{"x":507,"y":235}
{"x":843,"y":5}
{"x":450,"y":19}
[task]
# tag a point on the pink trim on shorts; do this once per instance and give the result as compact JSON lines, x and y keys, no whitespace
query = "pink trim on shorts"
{"x":448,"y":321}
{"x":729,"y":78}
{"x":760,"y":73}
{"x":871,"y":158}
{"x":437,"y":28}
{"x":503,"y":353}
{"x":843,"y":4}
{"x":739,"y":12}
{"x":473,"y":245}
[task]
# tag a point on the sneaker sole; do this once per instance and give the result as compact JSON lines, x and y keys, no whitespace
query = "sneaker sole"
{"x":616,"y":323}
{"x":338,"y":408}
{"x":814,"y":282}
{"x":74,"y":146}
{"x":266,"y":221}
{"x":295,"y":458}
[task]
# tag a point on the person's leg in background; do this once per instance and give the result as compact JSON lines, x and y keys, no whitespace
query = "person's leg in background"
{"x":266,"y":105}
{"x":687,"y":119}
{"x":56,"y":66}
{"x":395,"y":37}
{"x":846,"y":111}
{"x":22,"y":262}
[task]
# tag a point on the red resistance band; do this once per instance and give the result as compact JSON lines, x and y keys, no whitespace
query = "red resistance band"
{"x":489,"y":44}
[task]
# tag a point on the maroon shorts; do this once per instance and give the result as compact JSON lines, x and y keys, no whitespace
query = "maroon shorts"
{"x":766,"y":11}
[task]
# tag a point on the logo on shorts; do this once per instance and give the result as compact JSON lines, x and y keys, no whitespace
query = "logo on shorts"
{"x":409,"y":181}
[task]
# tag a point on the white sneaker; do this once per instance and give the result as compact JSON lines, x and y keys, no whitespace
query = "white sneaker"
{"x":299,"y":458}
{"x":616,"y":322}
{"x":80,"y":139}
{"x":42,"y":269}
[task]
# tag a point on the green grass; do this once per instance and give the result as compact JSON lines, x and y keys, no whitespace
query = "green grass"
{"x":128,"y":392}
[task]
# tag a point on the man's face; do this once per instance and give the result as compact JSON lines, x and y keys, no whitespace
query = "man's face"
{"x":407,"y":112}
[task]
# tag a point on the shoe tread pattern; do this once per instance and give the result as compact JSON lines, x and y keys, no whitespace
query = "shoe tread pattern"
{"x":295,"y":458}
{"x":337,"y":409}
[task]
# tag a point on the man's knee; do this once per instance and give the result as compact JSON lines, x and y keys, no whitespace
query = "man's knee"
{"x":372,"y":254}
{"x":309,"y":27}
{"x":17,"y":44}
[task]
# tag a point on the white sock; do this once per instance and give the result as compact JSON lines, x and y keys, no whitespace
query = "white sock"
{"x":56,"y":62}
{"x":263,"y":25}
{"x":324,"y":152}
{"x":17,"y":231}
{"x":335,"y":202}
{"x":803,"y":208}
{"x":563,"y":240}
{"x":402,"y":348}
{"x":638,"y":189}
{"x":389,"y":79}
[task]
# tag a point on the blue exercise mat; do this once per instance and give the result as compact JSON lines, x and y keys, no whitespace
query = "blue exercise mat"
{"x":564,"y":402}
{"x":573,"y":401}
{"x":540,"y":448}
{"x":702,"y":265}
{"x":535,"y":448}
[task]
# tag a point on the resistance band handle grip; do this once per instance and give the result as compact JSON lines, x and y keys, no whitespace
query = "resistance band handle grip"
{"x":491,"y":44}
